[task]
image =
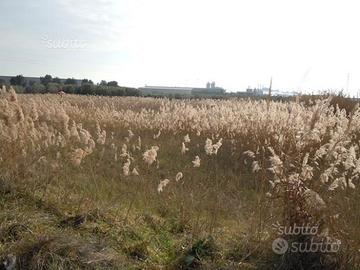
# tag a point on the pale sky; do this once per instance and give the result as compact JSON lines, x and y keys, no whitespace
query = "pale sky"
{"x":302,"y":44}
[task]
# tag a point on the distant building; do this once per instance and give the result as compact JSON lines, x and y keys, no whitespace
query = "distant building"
{"x":164,"y":90}
{"x":264,"y":91}
{"x":257,"y":91}
{"x":210,"y":90}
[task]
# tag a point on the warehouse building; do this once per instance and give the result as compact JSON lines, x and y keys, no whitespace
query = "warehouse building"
{"x":210,"y":90}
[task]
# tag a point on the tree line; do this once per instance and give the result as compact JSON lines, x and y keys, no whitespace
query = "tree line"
{"x":49,"y":84}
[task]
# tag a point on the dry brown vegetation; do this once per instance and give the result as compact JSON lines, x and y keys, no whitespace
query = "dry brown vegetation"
{"x":142,"y":183}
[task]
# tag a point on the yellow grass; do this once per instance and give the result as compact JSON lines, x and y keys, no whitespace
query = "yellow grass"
{"x":128,"y":183}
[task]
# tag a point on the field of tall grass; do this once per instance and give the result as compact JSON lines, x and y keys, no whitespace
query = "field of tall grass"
{"x":143,"y":183}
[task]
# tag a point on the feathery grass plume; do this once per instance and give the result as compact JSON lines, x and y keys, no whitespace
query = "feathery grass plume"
{"x":89,"y":148}
{"x":196,"y":162}
{"x":325,"y":176}
{"x":62,"y":117}
{"x":162,"y":184}
{"x":13,"y":95}
{"x":249,"y":157}
{"x":255,"y":167}
{"x":313,"y":199}
{"x":208,"y":146}
{"x":19,"y":114}
{"x":351,"y":184}
{"x":216,"y":147}
{"x":349,"y":163}
{"x":124,"y":152}
{"x":184,"y":149}
{"x":85,"y":136}
{"x":315,"y":118}
{"x":97,"y":129}
{"x":130,"y":134}
{"x":249,"y":154}
{"x":102,"y":138}
{"x":272,"y":184}
{"x":156,"y":136}
{"x":126,"y":167}
{"x":179,"y":176}
{"x":114,"y":148}
{"x":43,"y":160}
{"x":101,"y":135}
{"x":74,"y":134}
{"x":34,"y":114}
{"x":338,"y":182}
{"x":76,"y":157}
{"x":187,"y":138}
{"x":356,"y":170}
{"x":135,"y":172}
{"x":138,"y":146}
{"x":306,"y":170}
{"x":275,"y":162}
{"x":351,"y":118}
{"x":3,"y":90}
{"x":150,"y":155}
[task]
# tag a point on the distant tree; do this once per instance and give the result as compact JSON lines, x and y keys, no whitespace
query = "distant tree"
{"x":116,"y":91}
{"x":132,"y":92}
{"x":19,"y":89}
{"x":18,"y":80}
{"x":103,"y":83}
{"x":113,"y":84}
{"x":31,"y":83}
{"x":70,"y":89}
{"x":37,"y":88}
{"x":87,"y":89}
{"x":70,"y":81}
{"x":86,"y":81}
{"x":2,"y":82}
{"x":56,"y":80}
{"x":46,"y":79}
{"x":98,"y":90}
{"x":53,"y":87}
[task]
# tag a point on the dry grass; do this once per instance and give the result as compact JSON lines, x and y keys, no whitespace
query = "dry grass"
{"x":71,"y":199}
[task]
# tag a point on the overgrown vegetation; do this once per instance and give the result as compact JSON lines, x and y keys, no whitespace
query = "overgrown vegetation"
{"x":142,"y":183}
{"x":48,"y":84}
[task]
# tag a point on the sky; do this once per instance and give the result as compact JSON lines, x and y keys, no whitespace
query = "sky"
{"x":304,"y":45}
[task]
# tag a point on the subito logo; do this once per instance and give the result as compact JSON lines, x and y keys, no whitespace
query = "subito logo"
{"x":280,"y":246}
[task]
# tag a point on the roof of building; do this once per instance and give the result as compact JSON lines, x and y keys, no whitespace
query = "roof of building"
{"x":166,"y":88}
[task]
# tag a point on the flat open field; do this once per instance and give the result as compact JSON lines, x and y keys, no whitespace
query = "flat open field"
{"x":142,"y":183}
